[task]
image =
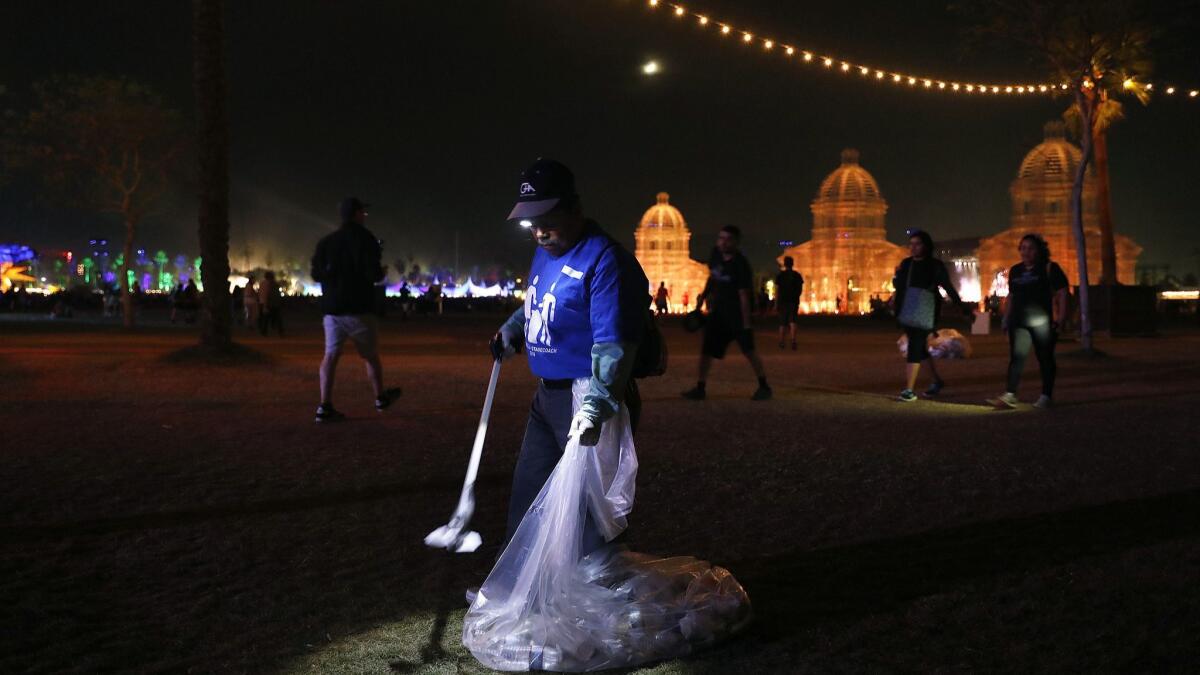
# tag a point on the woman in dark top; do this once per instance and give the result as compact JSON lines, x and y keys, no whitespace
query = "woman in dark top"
{"x":922,"y":271}
{"x":1035,"y":307}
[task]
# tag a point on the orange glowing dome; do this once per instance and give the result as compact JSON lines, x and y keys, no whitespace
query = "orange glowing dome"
{"x":1055,"y":160}
{"x":849,"y":260}
{"x":663,"y":215}
{"x":849,"y":183}
{"x":663,"y":243}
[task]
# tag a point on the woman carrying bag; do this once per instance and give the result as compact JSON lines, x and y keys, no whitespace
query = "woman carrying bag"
{"x":918,"y":306}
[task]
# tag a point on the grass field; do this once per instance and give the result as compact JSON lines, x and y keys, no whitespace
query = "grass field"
{"x":164,"y":516}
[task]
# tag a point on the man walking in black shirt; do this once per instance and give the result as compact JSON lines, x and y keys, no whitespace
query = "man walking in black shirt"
{"x":728,"y":290}
{"x":788,"y":287}
{"x":347,"y":265}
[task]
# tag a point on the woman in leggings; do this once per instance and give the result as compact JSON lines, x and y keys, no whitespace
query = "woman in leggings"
{"x":1036,"y":305}
{"x":922,"y":271}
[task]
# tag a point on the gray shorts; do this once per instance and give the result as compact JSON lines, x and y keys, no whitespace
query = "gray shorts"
{"x":361,"y":329}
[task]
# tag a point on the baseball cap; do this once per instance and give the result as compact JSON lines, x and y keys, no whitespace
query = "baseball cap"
{"x":349,"y":205}
{"x":543,"y":186}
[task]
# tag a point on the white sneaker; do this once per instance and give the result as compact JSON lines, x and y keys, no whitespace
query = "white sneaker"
{"x":1043,"y":402}
{"x":1006,"y":400}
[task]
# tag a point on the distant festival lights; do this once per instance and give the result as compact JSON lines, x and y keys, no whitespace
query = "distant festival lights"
{"x":912,"y":80}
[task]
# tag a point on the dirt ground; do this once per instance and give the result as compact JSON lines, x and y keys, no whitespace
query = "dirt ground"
{"x":171,"y":517}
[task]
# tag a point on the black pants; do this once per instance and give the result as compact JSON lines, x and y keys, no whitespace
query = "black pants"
{"x":268,"y":318}
{"x":545,"y":439}
{"x":1042,"y":338}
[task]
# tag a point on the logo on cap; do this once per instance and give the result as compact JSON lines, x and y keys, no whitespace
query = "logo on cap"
{"x":527,"y":189}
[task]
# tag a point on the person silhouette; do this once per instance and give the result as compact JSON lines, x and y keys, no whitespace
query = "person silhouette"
{"x":548,"y":306}
{"x":533,"y":314}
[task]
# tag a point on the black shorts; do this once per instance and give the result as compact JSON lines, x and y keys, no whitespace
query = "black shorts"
{"x":918,"y":344}
{"x":717,"y":338}
{"x":787,"y":315}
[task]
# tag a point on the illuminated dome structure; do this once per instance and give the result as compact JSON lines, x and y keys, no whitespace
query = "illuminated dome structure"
{"x":849,"y":258}
{"x":1041,"y":197}
{"x":662,"y":249}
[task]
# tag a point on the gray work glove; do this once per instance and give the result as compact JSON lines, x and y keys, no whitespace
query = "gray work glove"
{"x":507,"y":341}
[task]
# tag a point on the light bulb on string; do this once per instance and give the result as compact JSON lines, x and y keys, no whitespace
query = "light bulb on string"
{"x":768,"y":44}
{"x":679,"y":10}
{"x":703,"y":20}
{"x":828,"y":62}
{"x":808,"y":56}
{"x":725,"y":29}
{"x":790,"y":51}
{"x":746,"y":37}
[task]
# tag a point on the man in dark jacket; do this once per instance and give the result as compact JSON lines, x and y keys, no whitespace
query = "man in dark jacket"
{"x":347,"y":265}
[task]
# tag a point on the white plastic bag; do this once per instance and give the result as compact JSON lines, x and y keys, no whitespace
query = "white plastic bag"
{"x":947,"y":344}
{"x":545,"y":607}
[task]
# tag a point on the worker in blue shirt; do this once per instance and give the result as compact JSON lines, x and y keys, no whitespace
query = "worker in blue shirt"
{"x":585,"y":307}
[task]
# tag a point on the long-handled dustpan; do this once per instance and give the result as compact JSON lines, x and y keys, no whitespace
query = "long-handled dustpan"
{"x":454,"y":536}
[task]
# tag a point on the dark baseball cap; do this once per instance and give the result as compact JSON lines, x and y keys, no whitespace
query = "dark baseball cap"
{"x":544,"y":185}
{"x":349,"y":206}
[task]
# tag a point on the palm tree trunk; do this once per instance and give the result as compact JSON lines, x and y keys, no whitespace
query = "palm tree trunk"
{"x":127,"y":317}
{"x":1086,"y":112}
{"x":212,"y":137}
{"x":1108,"y":245}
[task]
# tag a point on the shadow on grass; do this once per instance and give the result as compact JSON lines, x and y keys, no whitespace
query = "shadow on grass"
{"x":431,"y":651}
{"x":794,"y":591}
{"x":235,"y":355}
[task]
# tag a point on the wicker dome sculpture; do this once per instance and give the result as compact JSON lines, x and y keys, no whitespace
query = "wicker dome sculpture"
{"x":663,"y":241}
{"x":1041,"y":204}
{"x":849,"y":259}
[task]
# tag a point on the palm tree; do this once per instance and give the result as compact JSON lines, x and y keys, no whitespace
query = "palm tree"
{"x":212,"y":141}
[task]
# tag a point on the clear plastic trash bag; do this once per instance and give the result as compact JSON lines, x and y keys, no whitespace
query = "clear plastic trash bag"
{"x":946,"y":344}
{"x":545,"y":607}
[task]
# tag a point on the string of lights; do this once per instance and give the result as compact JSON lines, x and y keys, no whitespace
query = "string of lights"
{"x":834,"y":64}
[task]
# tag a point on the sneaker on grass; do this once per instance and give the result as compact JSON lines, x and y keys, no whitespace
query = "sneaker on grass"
{"x":1044,"y":402}
{"x":935,"y":388}
{"x":1005,"y":400}
{"x":327,"y":413}
{"x":389,"y":397}
{"x":907,"y":396}
{"x":694,"y":394}
{"x":761,"y":394}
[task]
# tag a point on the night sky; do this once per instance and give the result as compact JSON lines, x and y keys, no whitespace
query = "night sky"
{"x":429,"y":110}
